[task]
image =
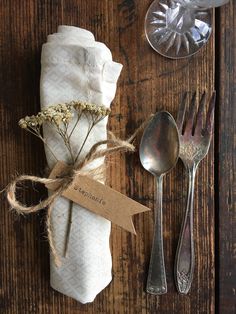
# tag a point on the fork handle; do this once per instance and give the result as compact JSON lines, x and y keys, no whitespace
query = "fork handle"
{"x":156,"y":282}
{"x":184,"y":261}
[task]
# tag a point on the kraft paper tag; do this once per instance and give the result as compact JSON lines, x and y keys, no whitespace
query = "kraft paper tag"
{"x":99,"y":198}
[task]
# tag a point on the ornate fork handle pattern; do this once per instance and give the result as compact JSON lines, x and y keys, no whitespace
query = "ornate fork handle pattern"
{"x":185,"y":251}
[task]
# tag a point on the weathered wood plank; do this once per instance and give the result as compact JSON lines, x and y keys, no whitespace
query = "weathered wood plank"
{"x":148,"y":83}
{"x":227,"y":159}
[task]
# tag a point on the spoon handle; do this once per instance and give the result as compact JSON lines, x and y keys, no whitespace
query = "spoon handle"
{"x":156,"y":282}
{"x":184,"y":261}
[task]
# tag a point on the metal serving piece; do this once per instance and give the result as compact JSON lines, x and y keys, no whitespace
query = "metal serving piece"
{"x":159,"y":152}
{"x":195,"y":138}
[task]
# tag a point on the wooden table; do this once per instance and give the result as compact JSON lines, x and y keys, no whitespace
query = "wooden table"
{"x":148,"y":83}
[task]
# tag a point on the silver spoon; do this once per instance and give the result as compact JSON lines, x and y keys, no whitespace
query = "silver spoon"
{"x":159,"y":152}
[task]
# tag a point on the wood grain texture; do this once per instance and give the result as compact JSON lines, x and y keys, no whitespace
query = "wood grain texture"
{"x":227,"y":159}
{"x":148,"y":83}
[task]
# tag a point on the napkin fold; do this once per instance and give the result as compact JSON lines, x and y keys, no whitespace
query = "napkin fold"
{"x":76,"y":67}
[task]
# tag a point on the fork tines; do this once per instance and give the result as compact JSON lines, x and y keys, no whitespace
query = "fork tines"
{"x":194,"y":122}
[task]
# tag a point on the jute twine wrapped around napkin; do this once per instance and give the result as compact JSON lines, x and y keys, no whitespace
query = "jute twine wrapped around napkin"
{"x":76,"y":67}
{"x":64,"y":179}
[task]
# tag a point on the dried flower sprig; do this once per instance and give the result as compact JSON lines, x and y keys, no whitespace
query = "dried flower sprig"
{"x":63,"y":113}
{"x":59,"y":116}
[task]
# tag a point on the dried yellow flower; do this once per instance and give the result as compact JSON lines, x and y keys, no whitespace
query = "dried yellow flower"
{"x":23,"y":124}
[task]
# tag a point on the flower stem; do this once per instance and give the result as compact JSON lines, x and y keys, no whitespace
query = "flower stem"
{"x":66,"y":140}
{"x":69,"y":223}
{"x":49,"y":148}
{"x":82,"y":146}
{"x":77,"y":121}
{"x":38,"y":134}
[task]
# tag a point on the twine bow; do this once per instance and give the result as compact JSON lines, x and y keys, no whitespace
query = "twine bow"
{"x":64,"y":182}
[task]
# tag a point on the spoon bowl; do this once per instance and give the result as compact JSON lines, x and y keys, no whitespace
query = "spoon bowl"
{"x":159,"y":148}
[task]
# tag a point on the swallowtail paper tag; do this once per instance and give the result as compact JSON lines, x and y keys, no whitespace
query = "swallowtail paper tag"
{"x":100,"y":199}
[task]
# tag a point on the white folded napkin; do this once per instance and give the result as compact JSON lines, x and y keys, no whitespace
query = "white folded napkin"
{"x":76,"y":67}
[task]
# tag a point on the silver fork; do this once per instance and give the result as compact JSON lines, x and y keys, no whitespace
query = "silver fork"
{"x":195,"y":138}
